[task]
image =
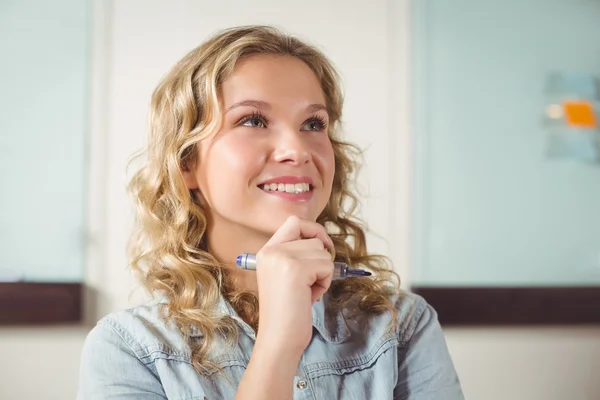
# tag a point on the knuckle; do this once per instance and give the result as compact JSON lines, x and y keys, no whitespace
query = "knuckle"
{"x":272,"y":253}
{"x":316,"y":243}
{"x":326,"y":255}
{"x":266,"y":251}
{"x":294,"y":220}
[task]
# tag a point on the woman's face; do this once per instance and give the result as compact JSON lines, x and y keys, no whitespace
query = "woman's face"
{"x":272,"y":158}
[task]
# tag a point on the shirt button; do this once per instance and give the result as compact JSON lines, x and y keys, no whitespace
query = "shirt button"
{"x":301,"y":385}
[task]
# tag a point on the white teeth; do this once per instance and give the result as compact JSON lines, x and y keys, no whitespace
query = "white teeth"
{"x":287,"y":187}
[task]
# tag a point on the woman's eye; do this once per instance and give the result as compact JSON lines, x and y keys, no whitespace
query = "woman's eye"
{"x":315,"y":125}
{"x":254,"y":122}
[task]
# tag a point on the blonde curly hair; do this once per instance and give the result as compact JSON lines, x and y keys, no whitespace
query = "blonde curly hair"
{"x":167,"y":249}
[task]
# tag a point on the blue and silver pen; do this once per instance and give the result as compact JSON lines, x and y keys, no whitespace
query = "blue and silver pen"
{"x":341,"y":270}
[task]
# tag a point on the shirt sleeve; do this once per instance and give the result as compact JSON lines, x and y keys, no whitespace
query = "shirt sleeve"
{"x":425,"y":370}
{"x":111,"y":370}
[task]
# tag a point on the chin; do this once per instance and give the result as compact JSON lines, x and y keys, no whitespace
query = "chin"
{"x":276,"y":219}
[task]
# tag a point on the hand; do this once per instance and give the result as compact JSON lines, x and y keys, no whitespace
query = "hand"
{"x":294,"y":269}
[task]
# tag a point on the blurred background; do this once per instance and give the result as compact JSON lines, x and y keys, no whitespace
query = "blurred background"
{"x":479,"y":121}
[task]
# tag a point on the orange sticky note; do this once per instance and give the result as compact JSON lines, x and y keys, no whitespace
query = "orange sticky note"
{"x":580,"y":114}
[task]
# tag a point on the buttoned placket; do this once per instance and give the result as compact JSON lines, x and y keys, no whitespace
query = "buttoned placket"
{"x":302,"y":388}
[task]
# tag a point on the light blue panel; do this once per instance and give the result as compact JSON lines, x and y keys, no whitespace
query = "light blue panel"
{"x":44,"y":51}
{"x":491,"y":208}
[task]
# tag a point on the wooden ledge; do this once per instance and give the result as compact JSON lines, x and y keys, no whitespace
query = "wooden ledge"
{"x":514,"y":305}
{"x":31,"y":303}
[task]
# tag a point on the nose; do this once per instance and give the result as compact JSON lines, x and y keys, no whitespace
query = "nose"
{"x":291,"y":148}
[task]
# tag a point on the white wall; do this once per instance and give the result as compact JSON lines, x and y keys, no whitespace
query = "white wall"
{"x":135,"y":43}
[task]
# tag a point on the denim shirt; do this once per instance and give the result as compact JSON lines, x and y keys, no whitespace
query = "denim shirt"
{"x":134,"y":354}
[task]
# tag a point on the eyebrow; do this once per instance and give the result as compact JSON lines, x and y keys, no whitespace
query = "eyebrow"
{"x":250,"y":103}
{"x":266,"y":106}
{"x":316,"y":107}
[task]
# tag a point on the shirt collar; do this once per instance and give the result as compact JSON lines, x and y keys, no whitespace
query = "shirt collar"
{"x":330,"y":325}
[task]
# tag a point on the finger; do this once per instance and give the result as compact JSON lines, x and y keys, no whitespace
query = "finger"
{"x":317,"y":294}
{"x":295,"y":228}
{"x":310,"y":254}
{"x":305,"y":244}
{"x":308,"y":248}
{"x":322,"y":275}
{"x":298,"y":249}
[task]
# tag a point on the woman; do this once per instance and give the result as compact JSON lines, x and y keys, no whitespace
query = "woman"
{"x":244,"y":156}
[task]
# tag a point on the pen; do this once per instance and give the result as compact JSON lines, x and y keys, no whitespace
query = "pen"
{"x":341,"y":270}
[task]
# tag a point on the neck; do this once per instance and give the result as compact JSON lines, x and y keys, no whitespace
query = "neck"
{"x":226,"y":241}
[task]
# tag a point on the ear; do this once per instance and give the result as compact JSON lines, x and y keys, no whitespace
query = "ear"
{"x":189,"y":176}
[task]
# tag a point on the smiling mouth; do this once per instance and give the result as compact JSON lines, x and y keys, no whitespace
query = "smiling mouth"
{"x":292,"y":188}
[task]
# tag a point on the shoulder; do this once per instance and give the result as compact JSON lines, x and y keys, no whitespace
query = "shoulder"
{"x":119,"y":354}
{"x":140,"y":331}
{"x":425,"y":367}
{"x":414,"y":325}
{"x":395,"y":324}
{"x":413,"y":313}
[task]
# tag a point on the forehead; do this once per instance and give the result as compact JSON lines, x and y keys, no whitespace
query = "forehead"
{"x":272,"y":78}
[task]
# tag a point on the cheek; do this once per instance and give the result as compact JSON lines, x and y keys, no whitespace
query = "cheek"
{"x":327,"y":159}
{"x":229,"y":162}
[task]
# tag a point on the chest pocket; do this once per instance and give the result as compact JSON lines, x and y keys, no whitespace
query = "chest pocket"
{"x":223,"y":381}
{"x":371,"y":375}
